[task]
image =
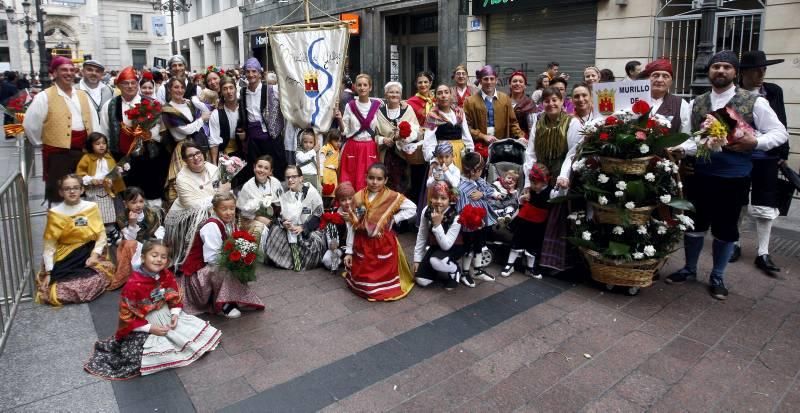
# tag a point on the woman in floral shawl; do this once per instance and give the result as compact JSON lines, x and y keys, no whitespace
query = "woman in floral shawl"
{"x":296,"y":243}
{"x":447,"y":123}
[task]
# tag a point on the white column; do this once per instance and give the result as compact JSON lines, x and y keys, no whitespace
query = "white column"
{"x":195,"y":53}
{"x":229,"y":46}
{"x":209,"y":52}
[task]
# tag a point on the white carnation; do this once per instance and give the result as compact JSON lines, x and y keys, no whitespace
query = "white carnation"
{"x":680,"y":185}
{"x":573,"y":216}
{"x":644,"y":148}
{"x":630,"y":205}
{"x":682,"y":227}
{"x":638,"y":255}
{"x":602,"y":178}
{"x":577,"y":222}
{"x":621,"y":185}
{"x":642,"y":230}
{"x":619,"y":194}
{"x":665,"y":199}
{"x":649,"y":250}
{"x":587,"y":235}
{"x":650,"y":177}
{"x":618,"y":230}
{"x":662,"y":230}
{"x":602,"y":200}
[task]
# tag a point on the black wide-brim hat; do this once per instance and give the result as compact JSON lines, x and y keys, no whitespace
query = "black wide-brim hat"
{"x":756,"y":58}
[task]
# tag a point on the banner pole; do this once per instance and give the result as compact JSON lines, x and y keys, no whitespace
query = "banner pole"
{"x":308,"y":13}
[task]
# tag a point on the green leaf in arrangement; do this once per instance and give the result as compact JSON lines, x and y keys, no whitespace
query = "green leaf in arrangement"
{"x":589,"y":187}
{"x":618,"y":249}
{"x":668,"y":141}
{"x":626,"y":138}
{"x":636,"y":191}
{"x":683,"y":204}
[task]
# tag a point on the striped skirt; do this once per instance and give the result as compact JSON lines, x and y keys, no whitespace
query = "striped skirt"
{"x":279,"y":250}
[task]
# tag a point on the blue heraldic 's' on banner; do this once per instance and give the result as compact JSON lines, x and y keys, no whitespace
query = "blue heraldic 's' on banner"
{"x":309,"y":62}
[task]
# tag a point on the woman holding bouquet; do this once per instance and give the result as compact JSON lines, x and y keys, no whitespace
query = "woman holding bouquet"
{"x":259,"y":201}
{"x":207,"y":286}
{"x":296,"y":243}
{"x":398,"y":142}
{"x":554,"y":138}
{"x":195,"y":185}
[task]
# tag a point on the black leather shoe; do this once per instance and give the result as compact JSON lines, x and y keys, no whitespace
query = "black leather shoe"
{"x":737,"y":253}
{"x":764,"y":263}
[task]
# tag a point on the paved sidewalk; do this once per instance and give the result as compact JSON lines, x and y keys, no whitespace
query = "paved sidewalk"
{"x":514,"y":345}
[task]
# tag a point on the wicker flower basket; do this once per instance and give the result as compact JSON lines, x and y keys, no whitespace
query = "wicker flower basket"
{"x":615,"y":272}
{"x":605,"y":214}
{"x":635,"y":166}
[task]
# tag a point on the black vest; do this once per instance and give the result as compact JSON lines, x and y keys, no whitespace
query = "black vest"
{"x":225,"y":130}
{"x":672,"y":107}
{"x":448,"y":132}
{"x":243,"y":105}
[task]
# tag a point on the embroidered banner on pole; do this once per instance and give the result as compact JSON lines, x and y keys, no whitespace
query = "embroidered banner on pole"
{"x":309,"y":60}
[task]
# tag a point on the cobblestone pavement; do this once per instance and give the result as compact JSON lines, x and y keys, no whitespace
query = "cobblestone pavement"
{"x":514,"y":345}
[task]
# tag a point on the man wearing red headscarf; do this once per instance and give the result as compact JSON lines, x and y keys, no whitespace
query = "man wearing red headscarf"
{"x":59,"y":119}
{"x":660,"y":73}
{"x":123,"y":136}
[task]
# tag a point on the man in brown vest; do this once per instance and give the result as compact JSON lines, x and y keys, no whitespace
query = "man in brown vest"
{"x":59,"y":119}
{"x":675,"y":109}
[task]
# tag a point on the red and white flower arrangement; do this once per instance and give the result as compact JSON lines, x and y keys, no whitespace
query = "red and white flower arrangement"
{"x":239,"y":255}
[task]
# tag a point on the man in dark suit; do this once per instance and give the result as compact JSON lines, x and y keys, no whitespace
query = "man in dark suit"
{"x":764,"y":192}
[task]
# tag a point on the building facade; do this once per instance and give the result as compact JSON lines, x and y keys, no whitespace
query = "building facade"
{"x":116,"y":33}
{"x":210,"y":34}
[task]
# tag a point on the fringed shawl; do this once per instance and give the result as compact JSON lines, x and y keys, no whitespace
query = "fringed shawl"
{"x":436,"y":118}
{"x":375,"y":216}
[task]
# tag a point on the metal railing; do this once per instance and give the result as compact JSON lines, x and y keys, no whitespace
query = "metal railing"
{"x":16,"y":254}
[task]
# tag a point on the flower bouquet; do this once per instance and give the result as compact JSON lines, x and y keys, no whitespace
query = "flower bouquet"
{"x":229,"y":166}
{"x":720,"y":127}
{"x":239,"y":254}
{"x":144,"y":116}
{"x":471,"y":217}
{"x":265,"y":209}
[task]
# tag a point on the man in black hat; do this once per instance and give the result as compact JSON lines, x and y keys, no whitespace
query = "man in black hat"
{"x":720,"y":185}
{"x":764,"y":177}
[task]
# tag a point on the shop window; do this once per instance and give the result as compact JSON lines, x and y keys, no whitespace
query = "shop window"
{"x":139,"y":58}
{"x":3,"y":30}
{"x":137,"y":24}
{"x":5,"y":55}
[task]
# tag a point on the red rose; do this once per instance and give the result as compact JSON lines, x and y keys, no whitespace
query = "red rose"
{"x":235,"y":256}
{"x":640,"y":107}
{"x":228,"y":246}
{"x":404,"y":129}
{"x":651,"y":123}
{"x":249,"y":258}
{"x":603,"y":136}
{"x":611,"y":121}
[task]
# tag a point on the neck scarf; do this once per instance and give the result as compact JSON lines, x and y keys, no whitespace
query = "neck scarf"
{"x":428,"y":101}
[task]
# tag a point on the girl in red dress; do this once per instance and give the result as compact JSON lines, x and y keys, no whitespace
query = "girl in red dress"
{"x":360,"y":127}
{"x":378,"y":269}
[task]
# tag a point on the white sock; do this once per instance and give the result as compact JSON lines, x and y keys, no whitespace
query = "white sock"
{"x":466,"y":264}
{"x":531,"y":259}
{"x":512,"y":256}
{"x":763,"y":231}
{"x":443,"y":265}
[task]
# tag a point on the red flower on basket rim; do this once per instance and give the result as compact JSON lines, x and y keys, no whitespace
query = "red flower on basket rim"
{"x":228,"y":246}
{"x":249,"y":258}
{"x":611,"y":121}
{"x":640,"y":107}
{"x":471,"y":217}
{"x":603,"y":136}
{"x":404,"y":128}
{"x":330,"y":218}
{"x":235,"y":256}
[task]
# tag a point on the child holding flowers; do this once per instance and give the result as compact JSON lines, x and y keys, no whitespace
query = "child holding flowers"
{"x":207,"y":286}
{"x":259,"y":201}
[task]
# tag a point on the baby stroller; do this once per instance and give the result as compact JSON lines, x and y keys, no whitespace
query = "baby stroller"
{"x":504,"y":155}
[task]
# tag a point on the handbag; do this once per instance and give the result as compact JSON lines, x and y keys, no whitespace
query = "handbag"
{"x":787,"y":185}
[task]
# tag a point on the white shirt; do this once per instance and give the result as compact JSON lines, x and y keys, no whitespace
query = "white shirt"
{"x":352,"y":125}
{"x":214,"y":127}
{"x":445,"y":240}
{"x":105,"y":122}
{"x":573,"y":139}
{"x":181,"y":132}
{"x":100,"y":172}
{"x":451,"y":174}
{"x":253,"y":101}
{"x":303,"y":155}
{"x":96,"y":94}
{"x":37,"y":114}
{"x":407,"y":210}
{"x":429,"y":142}
{"x":770,"y":132}
{"x":686,"y":113}
{"x":212,"y":241}
{"x":161,"y":92}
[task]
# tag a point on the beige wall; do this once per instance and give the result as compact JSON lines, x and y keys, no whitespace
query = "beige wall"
{"x":476,"y":45}
{"x":624,"y":33}
{"x":781,"y":31}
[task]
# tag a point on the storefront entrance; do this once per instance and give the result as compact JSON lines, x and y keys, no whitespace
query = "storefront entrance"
{"x":412,"y":46}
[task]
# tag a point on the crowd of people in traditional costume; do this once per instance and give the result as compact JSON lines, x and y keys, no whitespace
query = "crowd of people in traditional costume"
{"x":146,"y":210}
